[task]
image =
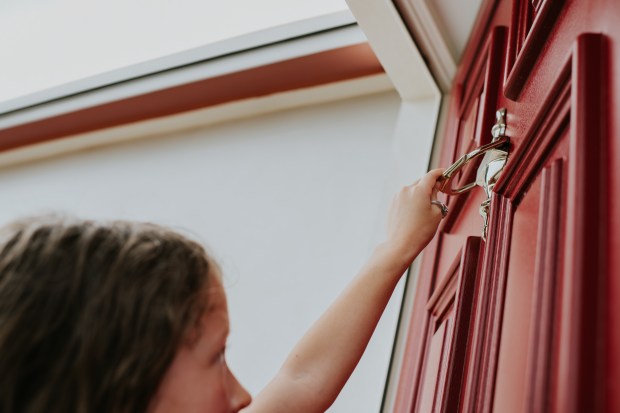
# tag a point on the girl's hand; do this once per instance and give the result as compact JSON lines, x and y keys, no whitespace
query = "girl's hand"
{"x":413,"y":220}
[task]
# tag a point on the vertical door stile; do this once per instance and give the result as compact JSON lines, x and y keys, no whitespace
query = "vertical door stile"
{"x":582,"y":350}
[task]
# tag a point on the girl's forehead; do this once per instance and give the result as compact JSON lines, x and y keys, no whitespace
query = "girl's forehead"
{"x":214,"y":323}
{"x":216,"y":298}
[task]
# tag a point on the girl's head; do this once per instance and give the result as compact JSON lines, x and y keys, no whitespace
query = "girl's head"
{"x":116,"y":317}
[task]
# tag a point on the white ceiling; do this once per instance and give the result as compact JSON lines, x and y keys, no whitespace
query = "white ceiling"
{"x":46,"y":43}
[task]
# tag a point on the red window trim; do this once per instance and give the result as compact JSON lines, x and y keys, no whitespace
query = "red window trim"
{"x":316,"y":69}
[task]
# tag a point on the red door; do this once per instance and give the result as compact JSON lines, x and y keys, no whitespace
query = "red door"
{"x":528,"y":319}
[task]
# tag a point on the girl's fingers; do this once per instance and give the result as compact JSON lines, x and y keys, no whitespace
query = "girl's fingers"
{"x":428,"y":181}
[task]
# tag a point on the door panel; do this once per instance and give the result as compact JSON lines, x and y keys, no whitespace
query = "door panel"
{"x":434,"y":364}
{"x":529,"y":326}
{"x":449,"y":312}
{"x":509,"y":389}
{"x":540,"y":335}
{"x":478,"y":100}
{"x":532,"y":22}
{"x":562,"y":149}
{"x":544,"y":329}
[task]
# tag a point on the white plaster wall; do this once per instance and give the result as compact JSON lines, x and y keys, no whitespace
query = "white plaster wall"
{"x":290,"y":204}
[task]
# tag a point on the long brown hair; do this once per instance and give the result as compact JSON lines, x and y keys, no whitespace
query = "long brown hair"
{"x":92,"y":314}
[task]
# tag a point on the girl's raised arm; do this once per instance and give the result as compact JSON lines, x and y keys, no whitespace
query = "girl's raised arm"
{"x":321,"y":363}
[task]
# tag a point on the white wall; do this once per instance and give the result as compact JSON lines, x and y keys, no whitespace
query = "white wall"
{"x":290,"y":204}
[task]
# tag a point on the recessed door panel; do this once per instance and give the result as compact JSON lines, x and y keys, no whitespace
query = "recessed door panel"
{"x":448,"y":314}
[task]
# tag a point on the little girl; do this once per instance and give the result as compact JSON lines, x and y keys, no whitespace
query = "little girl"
{"x":129,"y":317}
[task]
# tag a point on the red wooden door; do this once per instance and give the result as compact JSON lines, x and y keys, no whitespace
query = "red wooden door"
{"x":527,"y":321}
